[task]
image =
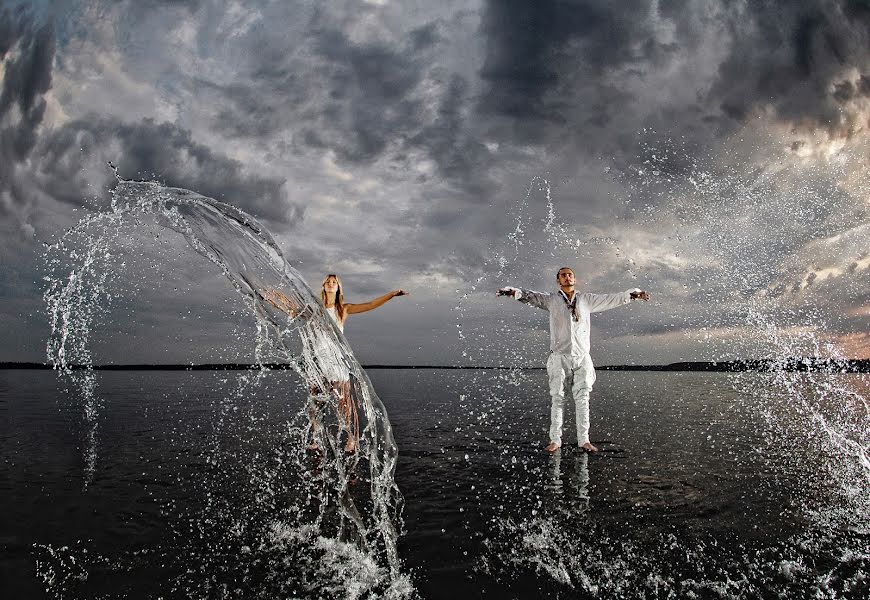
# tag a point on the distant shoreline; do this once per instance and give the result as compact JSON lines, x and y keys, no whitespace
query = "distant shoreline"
{"x":732,"y":366}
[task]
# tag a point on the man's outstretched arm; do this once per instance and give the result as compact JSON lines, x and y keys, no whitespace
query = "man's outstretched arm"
{"x":287,"y":304}
{"x":600,"y":302}
{"x":530,"y":297}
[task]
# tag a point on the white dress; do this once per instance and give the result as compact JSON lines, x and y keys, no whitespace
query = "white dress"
{"x":322,"y":353}
{"x":334,"y":314}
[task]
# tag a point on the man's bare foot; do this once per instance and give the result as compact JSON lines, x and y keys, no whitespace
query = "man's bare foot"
{"x":552,"y":447}
{"x":588,"y":447}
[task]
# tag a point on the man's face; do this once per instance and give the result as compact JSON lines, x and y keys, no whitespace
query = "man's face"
{"x":566,"y":278}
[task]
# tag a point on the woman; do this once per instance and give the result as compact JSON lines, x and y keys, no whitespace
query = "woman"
{"x":323,"y":357}
{"x":333,"y":300}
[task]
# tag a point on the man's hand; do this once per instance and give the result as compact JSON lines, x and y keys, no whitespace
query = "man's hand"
{"x":640,"y":295}
{"x":280,"y":301}
{"x":399,"y":293}
{"x":507,"y":291}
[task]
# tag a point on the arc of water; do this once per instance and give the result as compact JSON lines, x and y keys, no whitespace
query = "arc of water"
{"x":252,"y":262}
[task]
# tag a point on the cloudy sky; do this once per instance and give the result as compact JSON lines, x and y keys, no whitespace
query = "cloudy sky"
{"x":714,"y":153}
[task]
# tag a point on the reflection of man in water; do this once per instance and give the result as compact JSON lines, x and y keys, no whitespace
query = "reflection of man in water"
{"x":569,"y":362}
{"x":574,"y":484}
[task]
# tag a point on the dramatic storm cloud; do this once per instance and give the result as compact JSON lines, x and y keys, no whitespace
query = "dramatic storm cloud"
{"x":712,"y":152}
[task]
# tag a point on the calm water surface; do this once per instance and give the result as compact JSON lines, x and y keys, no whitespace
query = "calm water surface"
{"x":700,"y":490}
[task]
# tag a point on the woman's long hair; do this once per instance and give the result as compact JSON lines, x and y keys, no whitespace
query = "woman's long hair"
{"x":339,"y":297}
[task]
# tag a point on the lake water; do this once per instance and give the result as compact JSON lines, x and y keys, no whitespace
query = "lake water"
{"x":708,"y":485}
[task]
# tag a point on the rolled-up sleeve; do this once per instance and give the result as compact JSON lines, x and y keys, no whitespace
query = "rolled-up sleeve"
{"x":600,"y":302}
{"x":532,"y":298}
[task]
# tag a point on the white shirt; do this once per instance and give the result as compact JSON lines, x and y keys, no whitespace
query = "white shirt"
{"x":568,"y":336}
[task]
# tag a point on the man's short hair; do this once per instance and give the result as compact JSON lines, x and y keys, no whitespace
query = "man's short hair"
{"x":564,"y":269}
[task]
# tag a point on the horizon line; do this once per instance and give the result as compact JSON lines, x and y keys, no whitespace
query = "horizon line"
{"x":852,"y":365}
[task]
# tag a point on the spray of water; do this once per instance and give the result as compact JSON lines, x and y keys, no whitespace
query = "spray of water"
{"x":755,"y":246}
{"x":352,"y":510}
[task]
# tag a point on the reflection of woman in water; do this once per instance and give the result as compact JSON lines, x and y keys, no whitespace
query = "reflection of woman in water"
{"x":326,"y":357}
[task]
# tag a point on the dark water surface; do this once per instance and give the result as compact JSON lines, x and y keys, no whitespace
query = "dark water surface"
{"x":699,"y":490}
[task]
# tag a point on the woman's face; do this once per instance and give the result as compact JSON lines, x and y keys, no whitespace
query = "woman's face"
{"x":330,"y":285}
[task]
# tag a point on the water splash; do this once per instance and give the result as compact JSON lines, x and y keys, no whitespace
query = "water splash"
{"x":766,"y":230}
{"x":814,"y":404}
{"x":746,"y":257}
{"x":355,"y":502}
{"x":538,"y":242}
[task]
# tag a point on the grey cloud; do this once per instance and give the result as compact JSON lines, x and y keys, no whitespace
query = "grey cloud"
{"x":370,"y":96}
{"x":251,"y":112}
{"x":843,"y":92}
{"x":458,"y":155}
{"x":359,"y":99}
{"x":562,"y":89}
{"x":425,"y":36}
{"x":847,"y":90}
{"x":354,"y":98}
{"x":791,"y":57}
{"x":22,"y":108}
{"x":165,"y":152}
{"x":545,"y":66}
{"x":560,"y":74}
{"x":28,"y":75}
{"x":533,"y":47}
{"x":52,"y":163}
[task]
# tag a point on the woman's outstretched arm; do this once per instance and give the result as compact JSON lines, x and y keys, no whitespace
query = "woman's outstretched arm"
{"x":373,"y":304}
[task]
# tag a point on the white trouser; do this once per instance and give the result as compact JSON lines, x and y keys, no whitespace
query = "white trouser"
{"x":578,"y":373}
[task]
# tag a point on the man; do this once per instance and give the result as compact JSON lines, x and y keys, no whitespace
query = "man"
{"x":569,"y":360}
